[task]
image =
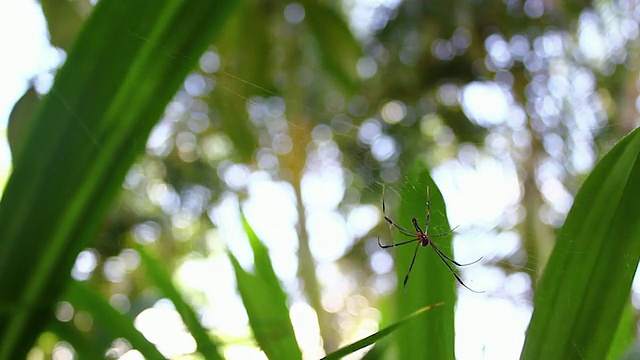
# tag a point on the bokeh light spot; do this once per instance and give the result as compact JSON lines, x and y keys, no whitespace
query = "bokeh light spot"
{"x":294,"y":13}
{"x":394,"y":111}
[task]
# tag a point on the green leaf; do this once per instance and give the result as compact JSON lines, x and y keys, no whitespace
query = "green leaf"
{"x":625,"y":334}
{"x":231,"y":95}
{"x":430,"y":281}
{"x":266,"y":303}
{"x":64,"y":20}
{"x":125,"y":66}
{"x":83,"y":297}
{"x":371,"y":339}
{"x":159,"y":276}
{"x":21,"y":114}
{"x":84,"y":346}
{"x":587,"y":282}
{"x":339,"y":50}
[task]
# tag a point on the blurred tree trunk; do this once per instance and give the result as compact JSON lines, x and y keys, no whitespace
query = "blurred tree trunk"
{"x":296,"y":160}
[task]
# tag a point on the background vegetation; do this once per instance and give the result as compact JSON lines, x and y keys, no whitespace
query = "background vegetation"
{"x":166,"y":117}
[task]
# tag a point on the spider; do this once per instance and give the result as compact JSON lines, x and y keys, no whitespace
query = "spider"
{"x":425,"y":240}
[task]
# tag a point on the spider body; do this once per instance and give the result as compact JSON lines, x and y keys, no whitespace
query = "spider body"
{"x":423,"y":239}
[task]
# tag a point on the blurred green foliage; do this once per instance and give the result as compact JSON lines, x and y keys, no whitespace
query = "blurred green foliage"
{"x":291,"y":90}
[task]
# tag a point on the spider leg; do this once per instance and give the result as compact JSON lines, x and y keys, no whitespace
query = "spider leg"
{"x":467,"y":264}
{"x":423,"y":239}
{"x":396,"y":244}
{"x":450,"y":259}
{"x":442,"y":257}
{"x":413,"y":260}
{"x":402,"y":230}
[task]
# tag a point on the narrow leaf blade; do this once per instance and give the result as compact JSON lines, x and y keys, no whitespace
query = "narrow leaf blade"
{"x":593,"y":263}
{"x":125,"y":66}
{"x":266,"y":303}
{"x":82,"y":297}
{"x":430,"y":281}
{"x":160,"y":277}
{"x":372,"y":339}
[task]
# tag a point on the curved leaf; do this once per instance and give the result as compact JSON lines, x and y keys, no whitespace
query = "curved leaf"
{"x":371,"y":339}
{"x":430,"y":281}
{"x":156,"y":271}
{"x":22,"y":112}
{"x":127,"y":63}
{"x":85,"y":348}
{"x":83,"y":297}
{"x":339,"y":50}
{"x":587,"y":282}
{"x":266,"y":303}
